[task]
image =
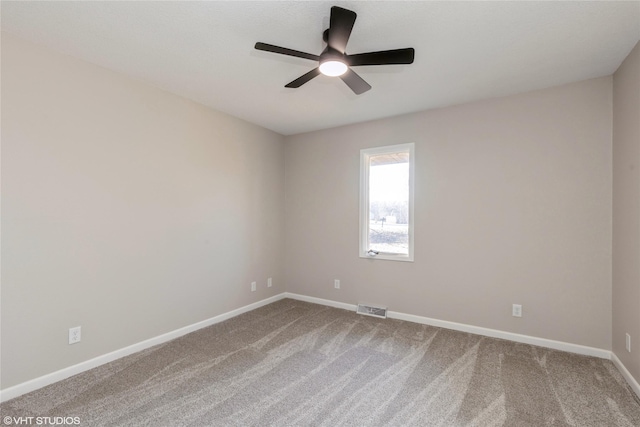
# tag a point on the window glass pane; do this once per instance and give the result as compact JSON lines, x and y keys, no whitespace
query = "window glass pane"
{"x":389,"y":203}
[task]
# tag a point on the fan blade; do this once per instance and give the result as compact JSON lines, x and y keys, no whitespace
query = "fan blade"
{"x":304,"y":78}
{"x":384,"y":57}
{"x":340,"y":26}
{"x":284,"y":51}
{"x":355,"y":82}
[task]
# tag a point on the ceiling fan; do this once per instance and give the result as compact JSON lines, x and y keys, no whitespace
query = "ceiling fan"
{"x":334,"y":60}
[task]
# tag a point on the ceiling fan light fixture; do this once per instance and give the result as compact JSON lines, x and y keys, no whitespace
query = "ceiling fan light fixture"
{"x":334,"y":61}
{"x":333,"y":68}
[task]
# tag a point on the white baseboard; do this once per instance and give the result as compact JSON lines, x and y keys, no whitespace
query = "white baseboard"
{"x":494,"y":333}
{"x":511,"y":336}
{"x":28,"y":386}
{"x":321,"y":301}
{"x":635,"y":386}
{"x":45,"y":380}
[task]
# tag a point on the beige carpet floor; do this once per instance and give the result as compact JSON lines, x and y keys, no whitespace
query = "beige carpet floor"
{"x":292,"y":363}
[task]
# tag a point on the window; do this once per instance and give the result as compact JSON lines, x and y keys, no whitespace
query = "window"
{"x":386,"y":202}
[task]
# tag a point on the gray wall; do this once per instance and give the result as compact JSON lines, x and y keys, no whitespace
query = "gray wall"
{"x":626,"y":211}
{"x":125,"y":209}
{"x":513,"y":205}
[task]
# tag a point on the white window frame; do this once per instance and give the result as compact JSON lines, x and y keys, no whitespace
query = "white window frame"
{"x":365,"y":155}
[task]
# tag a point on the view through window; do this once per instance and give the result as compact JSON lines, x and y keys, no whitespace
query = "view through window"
{"x":387,"y":201}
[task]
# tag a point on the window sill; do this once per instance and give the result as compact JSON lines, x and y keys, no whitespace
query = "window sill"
{"x":388,"y":257}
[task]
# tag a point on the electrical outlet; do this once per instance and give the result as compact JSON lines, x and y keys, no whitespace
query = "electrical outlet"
{"x":628,"y":342}
{"x":516,"y":310}
{"x":75,"y":335}
{"x":253,"y":286}
{"x":336,"y":284}
{"x":269,"y":282}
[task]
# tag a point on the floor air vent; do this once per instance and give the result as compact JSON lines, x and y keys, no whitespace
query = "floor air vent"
{"x":369,"y":310}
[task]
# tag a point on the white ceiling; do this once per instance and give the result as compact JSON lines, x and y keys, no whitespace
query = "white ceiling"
{"x":465,"y":51}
